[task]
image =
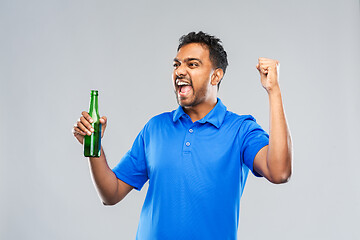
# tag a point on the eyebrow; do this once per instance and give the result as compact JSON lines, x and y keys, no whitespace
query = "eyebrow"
{"x":188,"y":60}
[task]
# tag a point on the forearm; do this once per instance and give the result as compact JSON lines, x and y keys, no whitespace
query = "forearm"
{"x":104,"y":179}
{"x":279,"y":155}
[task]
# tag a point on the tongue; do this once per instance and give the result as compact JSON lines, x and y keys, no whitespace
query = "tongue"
{"x":185,"y":89}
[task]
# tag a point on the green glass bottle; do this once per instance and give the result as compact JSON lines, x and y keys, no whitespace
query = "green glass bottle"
{"x":92,"y":143}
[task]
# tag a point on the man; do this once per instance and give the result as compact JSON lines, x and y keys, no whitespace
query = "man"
{"x":197,"y":157}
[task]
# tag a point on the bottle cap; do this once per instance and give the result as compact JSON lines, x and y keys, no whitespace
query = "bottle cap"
{"x":94,"y":92}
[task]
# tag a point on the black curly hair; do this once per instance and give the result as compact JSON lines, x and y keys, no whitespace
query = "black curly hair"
{"x":217,"y":53}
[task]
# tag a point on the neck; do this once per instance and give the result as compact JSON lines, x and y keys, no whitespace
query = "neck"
{"x":199,"y":111}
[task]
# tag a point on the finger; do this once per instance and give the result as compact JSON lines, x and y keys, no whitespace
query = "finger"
{"x":87,"y":117}
{"x":258,"y":67}
{"x":86,"y":123}
{"x":264,"y":69}
{"x":77,"y":131}
{"x":269,"y":62}
{"x":103,"y":120}
{"x":264,"y":64}
{"x":264,"y":60}
{"x":83,"y":128}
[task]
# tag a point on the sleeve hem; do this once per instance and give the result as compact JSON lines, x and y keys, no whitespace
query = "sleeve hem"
{"x":127,"y":180}
{"x":260,"y":146}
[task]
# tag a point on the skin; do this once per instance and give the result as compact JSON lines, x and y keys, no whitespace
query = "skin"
{"x":274,"y":161}
{"x":111,"y":189}
{"x":192,"y":64}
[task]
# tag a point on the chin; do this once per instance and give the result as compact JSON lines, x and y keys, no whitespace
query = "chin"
{"x":182,"y":103}
{"x":186,"y":103}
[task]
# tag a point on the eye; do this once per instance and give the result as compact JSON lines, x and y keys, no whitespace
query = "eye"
{"x":175,"y":65}
{"x":193,"y":64}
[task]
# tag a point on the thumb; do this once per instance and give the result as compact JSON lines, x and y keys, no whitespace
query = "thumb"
{"x":259,"y":69}
{"x":103,"y":120}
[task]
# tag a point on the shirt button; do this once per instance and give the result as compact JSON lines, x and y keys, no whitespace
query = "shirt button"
{"x":187,"y":143}
{"x":191,"y":131}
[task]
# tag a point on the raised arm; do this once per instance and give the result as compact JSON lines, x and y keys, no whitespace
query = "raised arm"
{"x":274,"y":161}
{"x":110,"y":188}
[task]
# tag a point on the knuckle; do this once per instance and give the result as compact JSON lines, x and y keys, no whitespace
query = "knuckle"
{"x":80,"y":126}
{"x":75,"y":131}
{"x":83,"y":120}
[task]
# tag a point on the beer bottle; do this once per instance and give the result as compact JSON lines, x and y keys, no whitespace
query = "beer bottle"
{"x":92,"y":143}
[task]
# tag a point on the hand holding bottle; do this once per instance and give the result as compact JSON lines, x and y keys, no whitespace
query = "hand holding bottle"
{"x":83,"y":126}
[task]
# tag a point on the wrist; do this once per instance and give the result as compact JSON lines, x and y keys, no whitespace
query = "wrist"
{"x":274,"y":91}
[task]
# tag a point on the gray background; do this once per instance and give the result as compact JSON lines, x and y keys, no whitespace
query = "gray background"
{"x":53,"y":52}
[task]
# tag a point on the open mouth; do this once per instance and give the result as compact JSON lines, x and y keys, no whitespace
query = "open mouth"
{"x":183,"y":87}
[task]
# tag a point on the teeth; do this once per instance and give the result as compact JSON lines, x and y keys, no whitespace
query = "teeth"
{"x":181,"y":83}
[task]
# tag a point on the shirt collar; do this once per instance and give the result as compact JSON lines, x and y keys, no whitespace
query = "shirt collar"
{"x":215,"y":116}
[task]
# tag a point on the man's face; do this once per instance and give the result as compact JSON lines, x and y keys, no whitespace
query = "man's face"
{"x":192,"y":75}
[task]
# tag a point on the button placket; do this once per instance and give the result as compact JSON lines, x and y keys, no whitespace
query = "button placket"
{"x":188,"y":139}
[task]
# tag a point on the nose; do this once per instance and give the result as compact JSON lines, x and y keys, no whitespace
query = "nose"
{"x":180,"y":71}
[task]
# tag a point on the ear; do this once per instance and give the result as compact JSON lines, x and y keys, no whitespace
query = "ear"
{"x":217,"y":76}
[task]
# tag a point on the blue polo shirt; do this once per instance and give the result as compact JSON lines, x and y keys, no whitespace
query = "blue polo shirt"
{"x":196,"y":171}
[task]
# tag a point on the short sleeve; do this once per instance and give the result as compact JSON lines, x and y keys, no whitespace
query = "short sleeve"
{"x":132,"y":167}
{"x":254,"y":138}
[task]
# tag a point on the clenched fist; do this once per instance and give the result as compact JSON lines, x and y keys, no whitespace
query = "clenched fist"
{"x":269,"y":73}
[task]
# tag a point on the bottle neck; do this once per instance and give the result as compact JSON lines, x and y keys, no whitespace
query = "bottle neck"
{"x":93,"y":109}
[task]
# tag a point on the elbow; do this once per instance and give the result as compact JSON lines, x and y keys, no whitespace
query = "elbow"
{"x":281,"y":178}
{"x":108,"y":202}
{"x":282,"y":174}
